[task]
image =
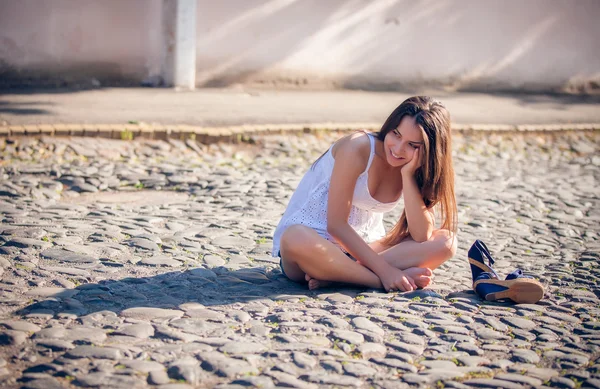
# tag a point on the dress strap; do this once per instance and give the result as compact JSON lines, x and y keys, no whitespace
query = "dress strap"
{"x":372,"y":151}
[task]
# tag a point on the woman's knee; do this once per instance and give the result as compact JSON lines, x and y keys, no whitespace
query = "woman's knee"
{"x":295,"y":239}
{"x":445,"y":243}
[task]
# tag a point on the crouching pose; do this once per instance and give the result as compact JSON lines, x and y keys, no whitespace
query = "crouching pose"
{"x":332,"y":229}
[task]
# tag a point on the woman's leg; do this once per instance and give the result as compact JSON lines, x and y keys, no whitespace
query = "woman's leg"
{"x":430,"y":254}
{"x":304,"y":252}
{"x":418,"y":260}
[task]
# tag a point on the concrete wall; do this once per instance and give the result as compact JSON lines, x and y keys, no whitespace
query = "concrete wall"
{"x":77,"y":40}
{"x":377,"y":44}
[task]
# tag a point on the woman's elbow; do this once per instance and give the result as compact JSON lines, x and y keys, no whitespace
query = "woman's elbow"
{"x":422,"y":237}
{"x":333,"y":229}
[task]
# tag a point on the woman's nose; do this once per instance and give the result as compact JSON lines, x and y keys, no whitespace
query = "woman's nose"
{"x":400,"y":149}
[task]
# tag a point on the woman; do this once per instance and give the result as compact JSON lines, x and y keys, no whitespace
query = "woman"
{"x":332,"y":229}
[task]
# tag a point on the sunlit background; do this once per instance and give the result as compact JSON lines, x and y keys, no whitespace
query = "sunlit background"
{"x":456,"y":45}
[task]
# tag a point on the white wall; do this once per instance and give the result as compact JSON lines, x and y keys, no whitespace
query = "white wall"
{"x":383,"y":44}
{"x":72,"y":39}
{"x":458,"y":43}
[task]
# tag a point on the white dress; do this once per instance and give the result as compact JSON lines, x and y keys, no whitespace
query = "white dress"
{"x":308,"y":205}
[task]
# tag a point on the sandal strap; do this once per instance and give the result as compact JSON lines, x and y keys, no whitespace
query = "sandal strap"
{"x":518,"y":273}
{"x":485,"y":252}
{"x":488,"y":281}
{"x":483,"y":267}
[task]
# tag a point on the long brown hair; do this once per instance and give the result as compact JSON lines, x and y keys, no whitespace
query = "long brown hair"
{"x":435,"y":177}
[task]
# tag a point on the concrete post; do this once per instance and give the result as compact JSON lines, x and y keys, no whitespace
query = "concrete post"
{"x":179,"y":51}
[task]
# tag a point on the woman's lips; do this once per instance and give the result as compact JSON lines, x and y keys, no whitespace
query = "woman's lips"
{"x":394,"y":155}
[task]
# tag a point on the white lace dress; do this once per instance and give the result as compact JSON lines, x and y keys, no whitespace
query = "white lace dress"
{"x":308,"y":205}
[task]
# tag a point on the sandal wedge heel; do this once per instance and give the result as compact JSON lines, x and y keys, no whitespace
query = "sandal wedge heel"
{"x":518,"y":287}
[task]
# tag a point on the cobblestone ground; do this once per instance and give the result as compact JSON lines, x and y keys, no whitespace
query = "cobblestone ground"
{"x":137,"y":264}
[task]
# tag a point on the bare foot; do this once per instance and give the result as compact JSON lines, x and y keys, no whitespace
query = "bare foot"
{"x":422,"y":276}
{"x":313,"y":283}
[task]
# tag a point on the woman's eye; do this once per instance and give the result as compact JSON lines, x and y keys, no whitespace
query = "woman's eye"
{"x":415,"y":146}
{"x":397,"y":133}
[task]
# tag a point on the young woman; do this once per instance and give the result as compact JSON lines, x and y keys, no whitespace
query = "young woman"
{"x":332,"y":229}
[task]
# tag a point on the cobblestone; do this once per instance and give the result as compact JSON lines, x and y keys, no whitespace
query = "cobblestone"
{"x":147,"y":263}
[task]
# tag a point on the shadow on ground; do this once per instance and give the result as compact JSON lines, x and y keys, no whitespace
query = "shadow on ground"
{"x":209,"y":287}
{"x":32,"y":108}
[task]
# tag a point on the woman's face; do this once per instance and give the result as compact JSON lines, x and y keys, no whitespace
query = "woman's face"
{"x":401,"y":143}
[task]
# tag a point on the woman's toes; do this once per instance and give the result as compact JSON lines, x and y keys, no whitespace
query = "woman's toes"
{"x":423,"y":271}
{"x":422,"y":276}
{"x":316,"y":284}
{"x":313,"y":284}
{"x":416,"y":272}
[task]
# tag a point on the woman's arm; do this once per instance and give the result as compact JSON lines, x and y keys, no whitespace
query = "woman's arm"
{"x":419,"y":218}
{"x":378,"y":246}
{"x":350,"y":162}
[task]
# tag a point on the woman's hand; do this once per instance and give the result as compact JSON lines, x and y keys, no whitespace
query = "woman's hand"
{"x":394,"y":279}
{"x":411,"y":167}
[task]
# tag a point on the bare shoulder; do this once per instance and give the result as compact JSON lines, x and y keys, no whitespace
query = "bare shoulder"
{"x":351,"y":155}
{"x":356,"y":146}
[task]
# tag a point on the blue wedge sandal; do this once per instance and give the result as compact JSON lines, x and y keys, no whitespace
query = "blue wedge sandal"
{"x":478,"y":254}
{"x":517,"y":287}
